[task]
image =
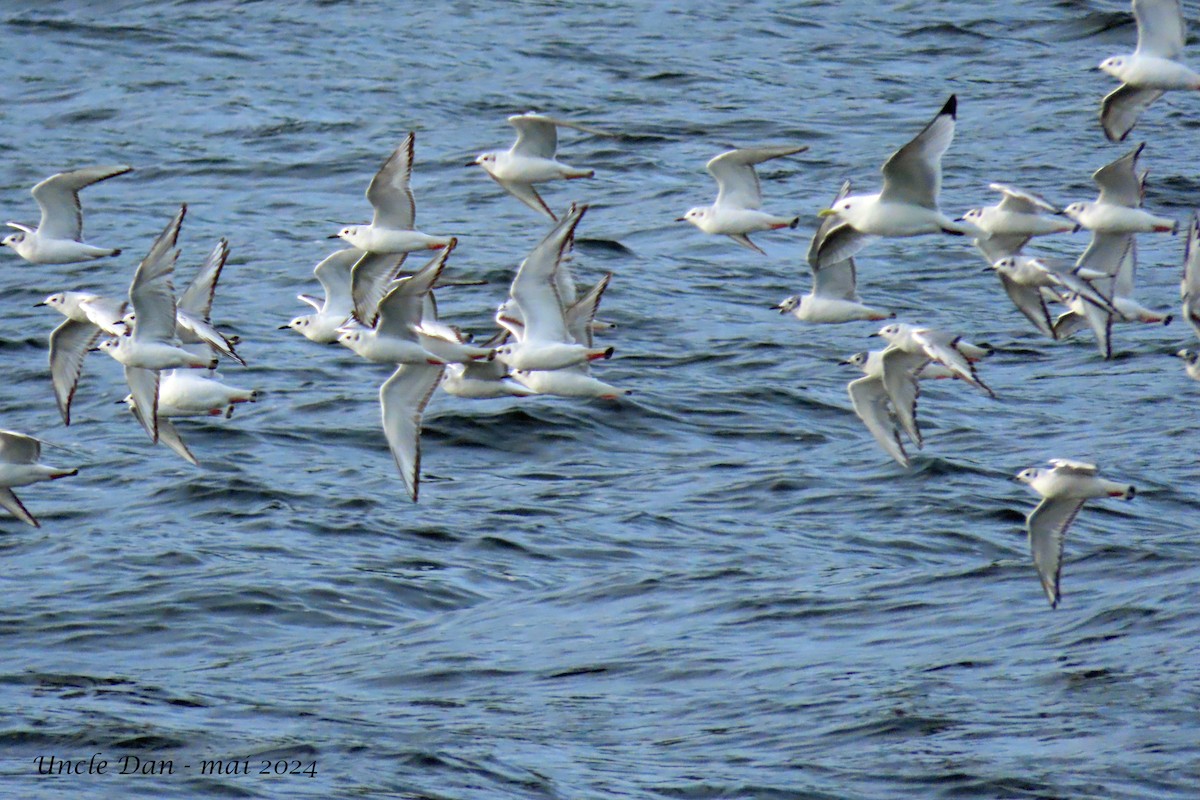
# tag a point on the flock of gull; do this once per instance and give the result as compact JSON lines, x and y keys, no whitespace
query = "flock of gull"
{"x":546,"y":326}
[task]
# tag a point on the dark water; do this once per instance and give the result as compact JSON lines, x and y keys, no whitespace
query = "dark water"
{"x":718,"y":588}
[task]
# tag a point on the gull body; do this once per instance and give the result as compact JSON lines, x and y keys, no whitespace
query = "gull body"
{"x":331,"y":312}
{"x":908,"y":203}
{"x":390,"y":193}
{"x":19,"y":466}
{"x":1009,"y":225}
{"x":58,"y":238}
{"x":1117,"y":209}
{"x":834,"y":296}
{"x":946,"y":349}
{"x":1064,"y":489}
{"x":1152,"y":69}
{"x":532,"y":159}
{"x":391,"y":336}
{"x":544,"y":341}
{"x":737,"y":210}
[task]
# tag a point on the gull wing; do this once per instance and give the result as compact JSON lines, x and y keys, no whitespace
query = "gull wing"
{"x":737,"y":182}
{"x":403,"y":398}
{"x":58,"y":198}
{"x":841,"y":243}
{"x":169,"y":435}
{"x":828,"y":223}
{"x":1105,"y":252}
{"x":401,"y":308}
{"x":1072,"y":467}
{"x":996,"y":247}
{"x":334,"y":273}
{"x":143,"y":385}
{"x":69,"y":344}
{"x":17,"y":448}
{"x":370,"y":278}
{"x":870,"y":403}
{"x":534,"y":288}
{"x":914,"y":172}
{"x":1047,"y":526}
{"x":527,"y":195}
{"x":899,"y":380}
{"x":1162,"y":30}
{"x":152,"y":294}
{"x":1019,"y":201}
{"x":943,"y":348}
{"x":1190,"y":286}
{"x":197,"y":298}
{"x":15,"y":507}
{"x":1119,"y":182}
{"x":106,"y":313}
{"x":390,"y":192}
{"x":537,"y":136}
{"x":1120,"y":109}
{"x":839,"y":280}
{"x":1030,"y":302}
{"x":582,"y":313}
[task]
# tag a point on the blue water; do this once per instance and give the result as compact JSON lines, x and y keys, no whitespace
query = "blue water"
{"x":719,"y":587}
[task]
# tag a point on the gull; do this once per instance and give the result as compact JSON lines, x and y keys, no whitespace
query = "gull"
{"x":149,"y":348}
{"x":19,"y":455}
{"x":1064,"y":488}
{"x":908,"y":203}
{"x":194,"y":307}
{"x":403,"y":398}
{"x":335,"y":309}
{"x":390,"y":336}
{"x":87,"y":314}
{"x":391,"y":229}
{"x":1114,"y":258}
{"x":531,"y":159}
{"x":946,"y":349}
{"x":834,"y":296}
{"x":890,"y":376}
{"x":576,"y":380}
{"x":1189,"y":287}
{"x":1191,"y":363}
{"x":1150,"y":70}
{"x":737,"y":210}
{"x":484,"y":379}
{"x":186,"y":394}
{"x":544,"y":341}
{"x":1025,"y":279}
{"x":1011,"y":223}
{"x":1117,"y":210}
{"x":58,"y":238}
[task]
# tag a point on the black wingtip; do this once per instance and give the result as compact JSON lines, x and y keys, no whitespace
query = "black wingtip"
{"x":115,"y":252}
{"x":951,"y":107}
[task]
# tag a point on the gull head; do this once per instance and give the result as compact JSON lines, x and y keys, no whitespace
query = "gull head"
{"x":842,"y":208}
{"x":1190,"y":356}
{"x":504,"y":352}
{"x":348,"y":234}
{"x":1075,"y":210}
{"x":1114,"y":66}
{"x":973,"y":216}
{"x":857,"y":360}
{"x":349,"y":337}
{"x":485,"y":160}
{"x":1006,"y":264}
{"x":297,"y":324}
{"x":110,"y":346}
{"x":1029,"y":475}
{"x":57,"y":300}
{"x":788,"y":304}
{"x":13,"y":239}
{"x":696,"y":216}
{"x":890,"y":332}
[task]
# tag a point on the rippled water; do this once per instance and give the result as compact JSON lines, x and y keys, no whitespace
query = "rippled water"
{"x":718,"y":588}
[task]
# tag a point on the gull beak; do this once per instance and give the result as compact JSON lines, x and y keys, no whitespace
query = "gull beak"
{"x":333,"y":236}
{"x":36,"y":305}
{"x":470,"y":163}
{"x":681,"y":219}
{"x":284,"y":327}
{"x":988,"y":268}
{"x":826,"y":212}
